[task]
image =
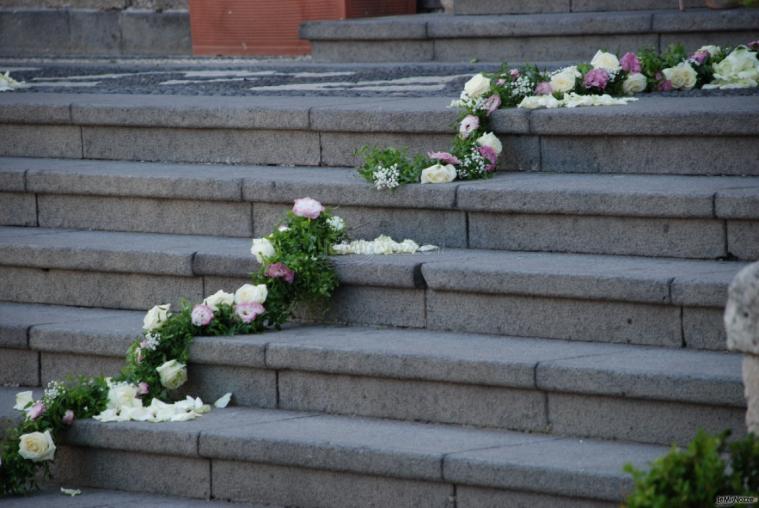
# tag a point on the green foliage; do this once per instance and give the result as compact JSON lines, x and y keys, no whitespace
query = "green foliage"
{"x":695,"y":476}
{"x":408,"y":168}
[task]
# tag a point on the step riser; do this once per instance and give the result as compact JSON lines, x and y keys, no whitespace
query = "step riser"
{"x":575,"y":48}
{"x":566,"y":414}
{"x":681,"y":238}
{"x":549,"y":6}
{"x":529,"y":316}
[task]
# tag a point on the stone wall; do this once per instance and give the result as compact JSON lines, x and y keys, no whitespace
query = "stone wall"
{"x":742,"y":323}
{"x":98,"y":4}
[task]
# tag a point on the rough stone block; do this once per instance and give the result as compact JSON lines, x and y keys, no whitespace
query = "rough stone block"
{"x":96,"y":289}
{"x":310,"y":488}
{"x":145,"y":215}
{"x":50,"y":28}
{"x":743,"y":239}
{"x":751,"y":380}
{"x":41,"y":141}
{"x":691,"y":155}
{"x":476,"y":497}
{"x":155,"y":33}
{"x":17,"y":209}
{"x":338,"y":148}
{"x":231,"y":146}
{"x":438,"y":227}
{"x":644,"y":421}
{"x":94,"y":32}
{"x":510,"y":7}
{"x":555,"y":318}
{"x":598,"y":235}
{"x":373,"y":306}
{"x":737,"y":203}
{"x":704,"y":328}
{"x":623,"y":5}
{"x":19,"y":367}
{"x":375,"y":51}
{"x":249,"y":387}
{"x":139,"y":472}
{"x":55,"y":366}
{"x":413,"y":400}
{"x":693,"y":41}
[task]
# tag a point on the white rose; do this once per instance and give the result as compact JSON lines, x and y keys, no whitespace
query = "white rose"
{"x":739,"y":65}
{"x":248,"y":293}
{"x":711,"y":49}
{"x":565,"y":79}
{"x":491,"y":140}
{"x":336,"y":223}
{"x":23,"y":399}
{"x":608,"y":61}
{"x":682,"y":76}
{"x":477,"y":86}
{"x":439,"y":174}
{"x":539,"y":101}
{"x":262,"y":248}
{"x":155,"y":317}
{"x":218,"y":298}
{"x":123,"y":395}
{"x":635,"y":83}
{"x":173,"y":374}
{"x":36,"y":446}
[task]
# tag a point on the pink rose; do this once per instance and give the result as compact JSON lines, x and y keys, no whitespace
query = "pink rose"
{"x":444,"y":157}
{"x":664,"y":85}
{"x":514,"y":73}
{"x":37,"y":410}
{"x":543,"y":88}
{"x":469,"y":124}
{"x":630,"y":63}
{"x":249,"y":311}
{"x":280,"y":271}
{"x":308,"y":208}
{"x":489,"y":154}
{"x":753,"y":45}
{"x":143,"y":388}
{"x":492,"y":104}
{"x":201,"y":315}
{"x":596,"y":78}
{"x":699,"y":57}
{"x":68,"y":417}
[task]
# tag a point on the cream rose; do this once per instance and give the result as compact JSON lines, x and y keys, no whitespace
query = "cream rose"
{"x":491,"y":140}
{"x":218,"y":298}
{"x":155,"y":317}
{"x":439,"y":174}
{"x":23,"y":399}
{"x":37,"y":446}
{"x":248,"y":293}
{"x":682,"y":76}
{"x":608,"y":61}
{"x":741,"y":65}
{"x":477,"y":86}
{"x":262,"y":249}
{"x":711,"y":49}
{"x":173,"y":374}
{"x":565,"y":79}
{"x":123,"y":395}
{"x":635,"y":83}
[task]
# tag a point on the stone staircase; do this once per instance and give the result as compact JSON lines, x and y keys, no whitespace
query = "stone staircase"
{"x":529,"y":31}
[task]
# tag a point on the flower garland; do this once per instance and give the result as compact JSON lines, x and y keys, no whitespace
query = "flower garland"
{"x":294,"y":270}
{"x":606,"y":81}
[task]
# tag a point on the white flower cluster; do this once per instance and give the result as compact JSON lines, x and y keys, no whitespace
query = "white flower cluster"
{"x":381,"y":245}
{"x":522,"y":86}
{"x":572,"y":100}
{"x":150,"y":341}
{"x":472,"y":165}
{"x":386,"y":178}
{"x":740,"y":69}
{"x":53,"y":390}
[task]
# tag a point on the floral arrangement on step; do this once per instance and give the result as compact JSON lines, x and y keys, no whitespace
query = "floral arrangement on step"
{"x":294,"y":269}
{"x":605,"y":81}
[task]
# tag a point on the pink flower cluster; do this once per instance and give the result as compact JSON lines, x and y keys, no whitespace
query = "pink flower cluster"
{"x":280,"y":271}
{"x":249,"y":311}
{"x":543,"y":88}
{"x":699,"y":57}
{"x":630,"y":63}
{"x":201,"y":315}
{"x":489,"y":154}
{"x":596,"y":78}
{"x":444,"y":157}
{"x":308,"y":208}
{"x":469,"y":124}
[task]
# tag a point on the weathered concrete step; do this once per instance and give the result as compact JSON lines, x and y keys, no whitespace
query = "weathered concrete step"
{"x":673,"y":135}
{"x":533,"y":385}
{"x":305,"y":459}
{"x":93,"y":32}
{"x":650,"y":215}
{"x":652,"y":301}
{"x":546,"y":6}
{"x":531,"y":37}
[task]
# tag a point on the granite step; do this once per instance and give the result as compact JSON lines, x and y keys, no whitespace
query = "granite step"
{"x":546,"y":6}
{"x":712,"y":135}
{"x":527,"y":384}
{"x":524,"y":37}
{"x":638,"y":300}
{"x":647,"y":215}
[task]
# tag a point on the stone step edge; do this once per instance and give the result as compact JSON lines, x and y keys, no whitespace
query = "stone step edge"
{"x":650,"y":116}
{"x":633,"y":372}
{"x":660,"y":281}
{"x":722,"y":197}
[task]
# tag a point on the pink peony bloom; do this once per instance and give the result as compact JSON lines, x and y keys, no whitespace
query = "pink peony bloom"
{"x":201,"y":315}
{"x":596,"y":78}
{"x":543,"y":88}
{"x":514,"y":73}
{"x":308,"y":208}
{"x":37,"y":410}
{"x":469,"y":124}
{"x":68,"y":417}
{"x":280,"y":271}
{"x":699,"y":57}
{"x":249,"y":311}
{"x":143,"y":388}
{"x":444,"y":157}
{"x":664,"y":86}
{"x":491,"y":157}
{"x":753,"y":45}
{"x":630,"y":63}
{"x":492,"y":104}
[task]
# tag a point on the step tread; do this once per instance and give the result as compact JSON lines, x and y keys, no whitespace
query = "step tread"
{"x":552,"y":365}
{"x":584,"y":276}
{"x":651,"y":115}
{"x":441,"y":26}
{"x":566,"y":466}
{"x":539,"y":193}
